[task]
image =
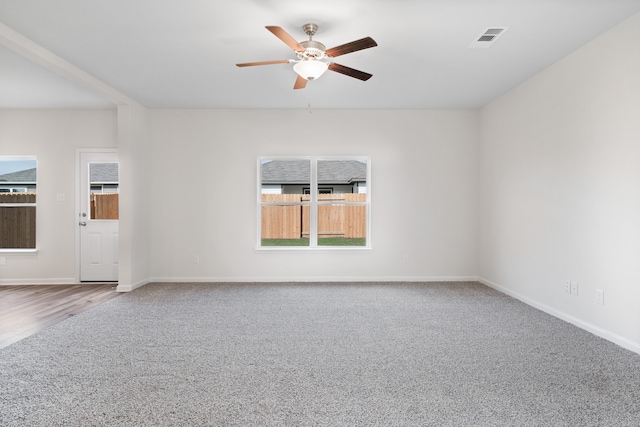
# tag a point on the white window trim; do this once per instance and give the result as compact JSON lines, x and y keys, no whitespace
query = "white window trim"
{"x":313,"y":207}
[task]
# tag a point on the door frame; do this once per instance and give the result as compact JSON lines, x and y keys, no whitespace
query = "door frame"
{"x":79,"y":152}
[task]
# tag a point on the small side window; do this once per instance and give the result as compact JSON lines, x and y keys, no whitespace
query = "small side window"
{"x":104,"y":197}
{"x":18,"y":177}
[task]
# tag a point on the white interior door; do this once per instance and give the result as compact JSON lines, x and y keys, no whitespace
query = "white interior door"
{"x":98,"y":216}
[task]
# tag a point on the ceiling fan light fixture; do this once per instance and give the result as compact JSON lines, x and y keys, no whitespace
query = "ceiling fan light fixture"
{"x":310,"y":69}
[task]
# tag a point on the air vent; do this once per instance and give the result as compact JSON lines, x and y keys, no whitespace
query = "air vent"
{"x":488,"y":37}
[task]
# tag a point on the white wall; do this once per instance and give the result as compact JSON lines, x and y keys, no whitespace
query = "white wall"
{"x":52,"y":136}
{"x":203,"y":164}
{"x":559,"y":172}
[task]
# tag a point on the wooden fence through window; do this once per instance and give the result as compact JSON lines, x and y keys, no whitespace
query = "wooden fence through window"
{"x":335,"y":218}
{"x":104,"y":206}
{"x":17,"y":223}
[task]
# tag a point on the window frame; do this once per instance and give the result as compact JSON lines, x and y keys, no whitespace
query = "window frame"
{"x":313,"y":204}
{"x":34,"y":205}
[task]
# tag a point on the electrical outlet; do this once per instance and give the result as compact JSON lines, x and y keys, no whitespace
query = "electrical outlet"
{"x":196,"y":259}
{"x":599,"y":296}
{"x":3,"y":261}
{"x":574,"y":288}
{"x":567,"y":286}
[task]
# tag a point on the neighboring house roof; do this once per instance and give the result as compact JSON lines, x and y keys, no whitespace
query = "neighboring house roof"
{"x":298,"y":172}
{"x":102,"y":173}
{"x":99,"y":173}
{"x":27,"y":176}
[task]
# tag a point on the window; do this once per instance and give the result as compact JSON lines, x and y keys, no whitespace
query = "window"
{"x":18,"y":203}
{"x":314,"y":202}
{"x":104,"y":182}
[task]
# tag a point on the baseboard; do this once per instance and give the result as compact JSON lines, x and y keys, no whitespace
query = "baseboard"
{"x":65,"y":281}
{"x":236,"y":279}
{"x":289,"y":279}
{"x":129,"y":288}
{"x":602,"y":333}
{"x":49,"y":281}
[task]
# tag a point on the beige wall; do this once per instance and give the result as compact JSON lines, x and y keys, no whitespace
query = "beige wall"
{"x":560,"y":187}
{"x":53,"y":137}
{"x":423,"y":192}
{"x":208,"y":159}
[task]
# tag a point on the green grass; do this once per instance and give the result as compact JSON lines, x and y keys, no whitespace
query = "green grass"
{"x":327,"y":241}
{"x":341,"y":241}
{"x":285,"y":242}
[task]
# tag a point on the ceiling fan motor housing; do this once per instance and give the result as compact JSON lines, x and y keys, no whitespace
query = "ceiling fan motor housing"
{"x":313,"y":50}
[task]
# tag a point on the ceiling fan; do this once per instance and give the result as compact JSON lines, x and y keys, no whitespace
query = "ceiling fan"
{"x":314,"y":58}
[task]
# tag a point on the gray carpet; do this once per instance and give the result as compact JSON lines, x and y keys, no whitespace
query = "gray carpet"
{"x":381,"y":354}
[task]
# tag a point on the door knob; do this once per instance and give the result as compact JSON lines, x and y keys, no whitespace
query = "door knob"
{"x":82,"y":223}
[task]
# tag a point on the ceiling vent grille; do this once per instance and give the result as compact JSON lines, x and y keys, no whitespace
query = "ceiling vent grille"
{"x":488,"y":37}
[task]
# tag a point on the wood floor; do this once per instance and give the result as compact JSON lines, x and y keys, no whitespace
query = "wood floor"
{"x":25,"y":310}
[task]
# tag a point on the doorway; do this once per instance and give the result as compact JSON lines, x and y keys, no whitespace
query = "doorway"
{"x":98,"y":215}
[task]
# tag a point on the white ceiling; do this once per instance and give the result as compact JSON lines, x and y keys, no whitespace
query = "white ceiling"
{"x":182,"y":53}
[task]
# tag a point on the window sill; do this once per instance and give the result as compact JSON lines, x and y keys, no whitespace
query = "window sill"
{"x":18,"y":251}
{"x":309,"y":249}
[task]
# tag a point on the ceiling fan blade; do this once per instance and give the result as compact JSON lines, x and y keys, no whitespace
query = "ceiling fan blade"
{"x":252,"y":64}
{"x":285,"y":37}
{"x":354,"y":46}
{"x":351,"y":72}
{"x":301,"y":83}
